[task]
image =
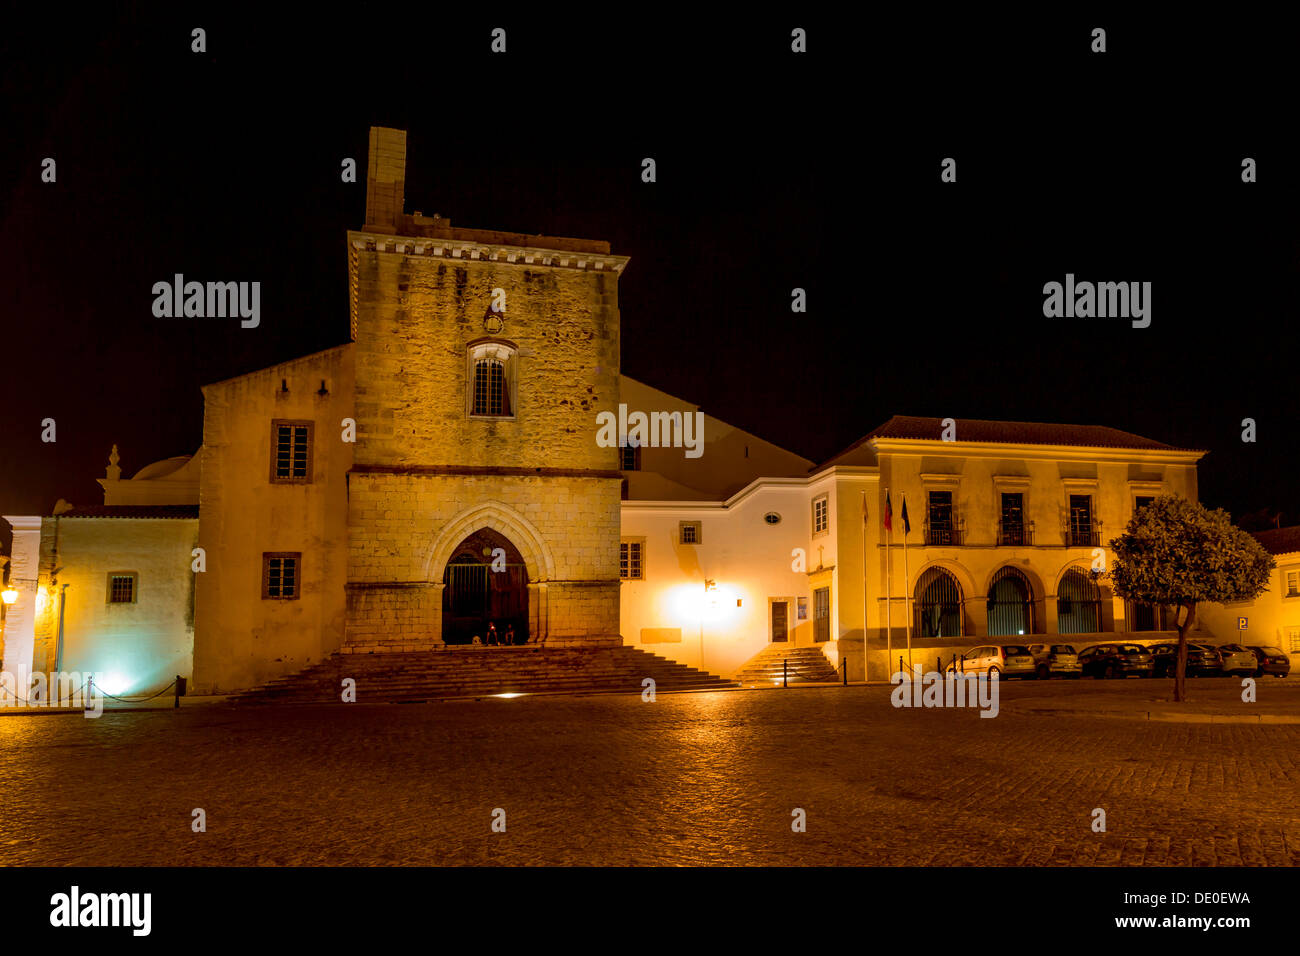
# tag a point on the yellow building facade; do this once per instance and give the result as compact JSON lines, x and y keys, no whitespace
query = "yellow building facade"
{"x":1273,"y":618}
{"x":1010,"y":524}
{"x":443,"y":478}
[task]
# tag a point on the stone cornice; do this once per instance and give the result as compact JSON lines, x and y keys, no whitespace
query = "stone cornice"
{"x":913,"y":446}
{"x":463,"y":250}
{"x":811,"y":483}
{"x":475,"y":471}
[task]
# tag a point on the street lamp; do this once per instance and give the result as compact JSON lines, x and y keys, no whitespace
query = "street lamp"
{"x":709,"y":585}
{"x":9,"y":595}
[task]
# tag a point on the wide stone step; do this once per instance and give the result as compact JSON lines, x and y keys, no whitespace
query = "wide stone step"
{"x":481,"y":672}
{"x":776,"y":663}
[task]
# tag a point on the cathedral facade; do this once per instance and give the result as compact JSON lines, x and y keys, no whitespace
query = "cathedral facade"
{"x":434,"y":476}
{"x":441,"y":480}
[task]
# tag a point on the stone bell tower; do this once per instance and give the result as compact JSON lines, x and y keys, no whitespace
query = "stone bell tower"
{"x":478,"y":490}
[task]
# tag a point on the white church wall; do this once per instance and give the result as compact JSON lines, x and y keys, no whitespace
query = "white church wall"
{"x":749,"y":560}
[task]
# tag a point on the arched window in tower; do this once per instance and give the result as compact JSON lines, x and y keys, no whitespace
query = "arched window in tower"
{"x":491,"y":379}
{"x":490,"y":396}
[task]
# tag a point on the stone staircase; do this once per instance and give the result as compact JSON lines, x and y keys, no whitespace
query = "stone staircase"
{"x":806,"y":665}
{"x":482,"y":672}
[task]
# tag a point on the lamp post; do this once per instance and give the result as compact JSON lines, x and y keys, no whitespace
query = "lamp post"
{"x":9,"y":595}
{"x":709,"y":585}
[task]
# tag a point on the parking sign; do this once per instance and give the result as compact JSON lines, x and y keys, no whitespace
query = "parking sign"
{"x":1241,"y":623}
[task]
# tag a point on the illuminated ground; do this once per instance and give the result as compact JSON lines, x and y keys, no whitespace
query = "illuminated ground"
{"x":690,"y":779}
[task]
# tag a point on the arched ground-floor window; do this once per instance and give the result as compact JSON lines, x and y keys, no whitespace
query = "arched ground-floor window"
{"x":1010,"y":604}
{"x":938,"y":605}
{"x":1078,"y":604}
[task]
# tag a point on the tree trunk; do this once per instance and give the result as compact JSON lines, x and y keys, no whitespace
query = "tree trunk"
{"x":1180,"y":668}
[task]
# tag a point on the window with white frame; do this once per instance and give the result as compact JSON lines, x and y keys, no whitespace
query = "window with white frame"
{"x":689,"y":532}
{"x":492,"y":379}
{"x":1292,"y":579}
{"x":821,"y":514}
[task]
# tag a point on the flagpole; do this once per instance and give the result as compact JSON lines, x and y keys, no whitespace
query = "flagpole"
{"x":864,"y":590}
{"x":907,"y":594}
{"x":889,"y":599}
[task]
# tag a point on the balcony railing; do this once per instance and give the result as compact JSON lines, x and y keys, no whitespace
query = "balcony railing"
{"x":1015,"y":534}
{"x":943,"y":536}
{"x":1083,"y":535}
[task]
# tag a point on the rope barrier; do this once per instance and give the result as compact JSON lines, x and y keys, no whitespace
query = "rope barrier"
{"x":39,"y":704}
{"x":125,"y":700}
{"x":138,"y":700}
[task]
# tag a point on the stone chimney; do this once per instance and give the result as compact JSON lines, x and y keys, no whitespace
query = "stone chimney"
{"x":385,"y":179}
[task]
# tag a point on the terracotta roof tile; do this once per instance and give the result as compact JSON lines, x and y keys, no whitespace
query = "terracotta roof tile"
{"x":1279,"y":540}
{"x":1011,"y":433}
{"x":1017,"y":433}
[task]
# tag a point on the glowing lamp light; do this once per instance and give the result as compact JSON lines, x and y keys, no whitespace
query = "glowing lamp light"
{"x":693,"y":604}
{"x":112,"y":683}
{"x":9,"y":594}
{"x":510,"y":696}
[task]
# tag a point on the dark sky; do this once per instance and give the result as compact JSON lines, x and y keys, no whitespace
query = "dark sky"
{"x":775,"y":171}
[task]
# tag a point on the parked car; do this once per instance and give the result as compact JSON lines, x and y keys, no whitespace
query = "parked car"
{"x":1115,"y":660}
{"x":1005,"y":660}
{"x":1237,"y":660}
{"x":1054,"y":660}
{"x":1270,"y":660}
{"x":1211,"y":661}
{"x":1202,"y":660}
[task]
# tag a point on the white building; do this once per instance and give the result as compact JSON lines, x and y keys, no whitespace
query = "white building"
{"x":1010,"y":521}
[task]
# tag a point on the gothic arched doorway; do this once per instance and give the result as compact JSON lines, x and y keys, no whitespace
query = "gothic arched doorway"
{"x":481,"y":587}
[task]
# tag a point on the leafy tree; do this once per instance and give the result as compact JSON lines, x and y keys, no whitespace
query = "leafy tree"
{"x":1177,"y":552}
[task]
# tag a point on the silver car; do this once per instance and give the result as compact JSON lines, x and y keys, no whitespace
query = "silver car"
{"x":1004,"y":660}
{"x":1237,"y":660}
{"x":1055,"y":660}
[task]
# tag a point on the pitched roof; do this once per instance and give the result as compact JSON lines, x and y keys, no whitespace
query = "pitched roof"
{"x":1279,"y":540}
{"x":1009,"y":433}
{"x":1015,"y":433}
{"x":133,"y":511}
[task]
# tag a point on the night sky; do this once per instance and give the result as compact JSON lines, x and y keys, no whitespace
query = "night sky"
{"x":774,"y":171}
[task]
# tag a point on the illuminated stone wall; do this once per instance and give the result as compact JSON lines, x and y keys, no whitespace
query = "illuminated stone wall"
{"x":136,"y":647}
{"x":428,"y":473}
{"x":242,"y":639}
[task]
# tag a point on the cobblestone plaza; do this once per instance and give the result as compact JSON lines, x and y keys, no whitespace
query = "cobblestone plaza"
{"x":702,"y":778}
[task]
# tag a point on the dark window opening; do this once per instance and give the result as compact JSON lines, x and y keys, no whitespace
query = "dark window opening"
{"x":491,"y":397}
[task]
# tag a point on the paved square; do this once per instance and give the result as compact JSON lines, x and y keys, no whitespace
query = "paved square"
{"x":707,"y":778}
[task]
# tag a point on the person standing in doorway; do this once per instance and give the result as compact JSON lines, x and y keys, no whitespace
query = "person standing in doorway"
{"x":492,"y":633}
